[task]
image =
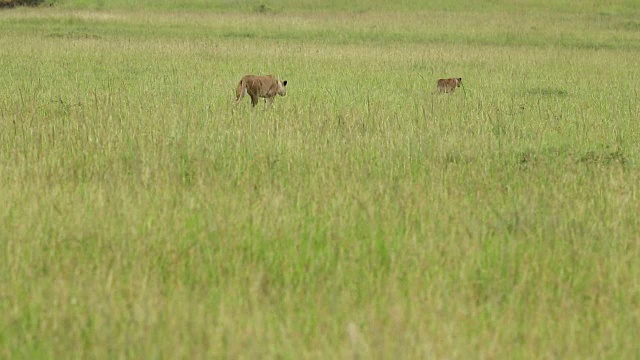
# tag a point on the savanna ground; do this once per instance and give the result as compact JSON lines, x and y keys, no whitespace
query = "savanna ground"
{"x":144,"y":215}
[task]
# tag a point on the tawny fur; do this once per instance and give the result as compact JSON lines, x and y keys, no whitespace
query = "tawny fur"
{"x":266,"y":86}
{"x":449,"y":85}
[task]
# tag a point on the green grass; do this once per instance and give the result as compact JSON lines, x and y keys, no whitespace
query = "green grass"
{"x":363,"y":215}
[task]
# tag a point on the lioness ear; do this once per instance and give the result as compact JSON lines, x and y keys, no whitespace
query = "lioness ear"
{"x":284,"y":83}
{"x":460,"y":79}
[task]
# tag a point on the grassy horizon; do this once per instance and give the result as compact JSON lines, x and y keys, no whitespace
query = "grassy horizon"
{"x":362,"y":216}
{"x":616,"y":7}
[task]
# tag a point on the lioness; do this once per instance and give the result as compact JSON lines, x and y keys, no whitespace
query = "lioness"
{"x":449,"y":85}
{"x":260,"y":86}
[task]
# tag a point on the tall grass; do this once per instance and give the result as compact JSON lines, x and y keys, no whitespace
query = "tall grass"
{"x":363,"y":215}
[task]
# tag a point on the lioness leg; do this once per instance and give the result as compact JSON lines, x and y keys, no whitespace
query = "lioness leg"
{"x":254,"y":99}
{"x":269,"y":101}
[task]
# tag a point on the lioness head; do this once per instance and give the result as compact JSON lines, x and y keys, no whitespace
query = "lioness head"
{"x":282,"y":88}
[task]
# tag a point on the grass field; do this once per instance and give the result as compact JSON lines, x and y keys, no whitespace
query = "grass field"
{"x":145,"y":215}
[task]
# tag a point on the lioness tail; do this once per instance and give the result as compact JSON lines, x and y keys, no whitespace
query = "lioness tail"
{"x":241,"y":90}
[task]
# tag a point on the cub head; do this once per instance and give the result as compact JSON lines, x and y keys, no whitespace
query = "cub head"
{"x":458,"y":81}
{"x":282,"y":88}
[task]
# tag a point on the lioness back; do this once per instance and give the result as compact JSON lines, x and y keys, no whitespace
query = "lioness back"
{"x":263,"y":86}
{"x":449,"y":85}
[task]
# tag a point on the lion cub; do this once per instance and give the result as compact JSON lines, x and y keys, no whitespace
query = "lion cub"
{"x":449,"y":85}
{"x":260,"y":87}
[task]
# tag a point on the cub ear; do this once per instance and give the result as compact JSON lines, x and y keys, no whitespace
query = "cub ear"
{"x":284,"y":83}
